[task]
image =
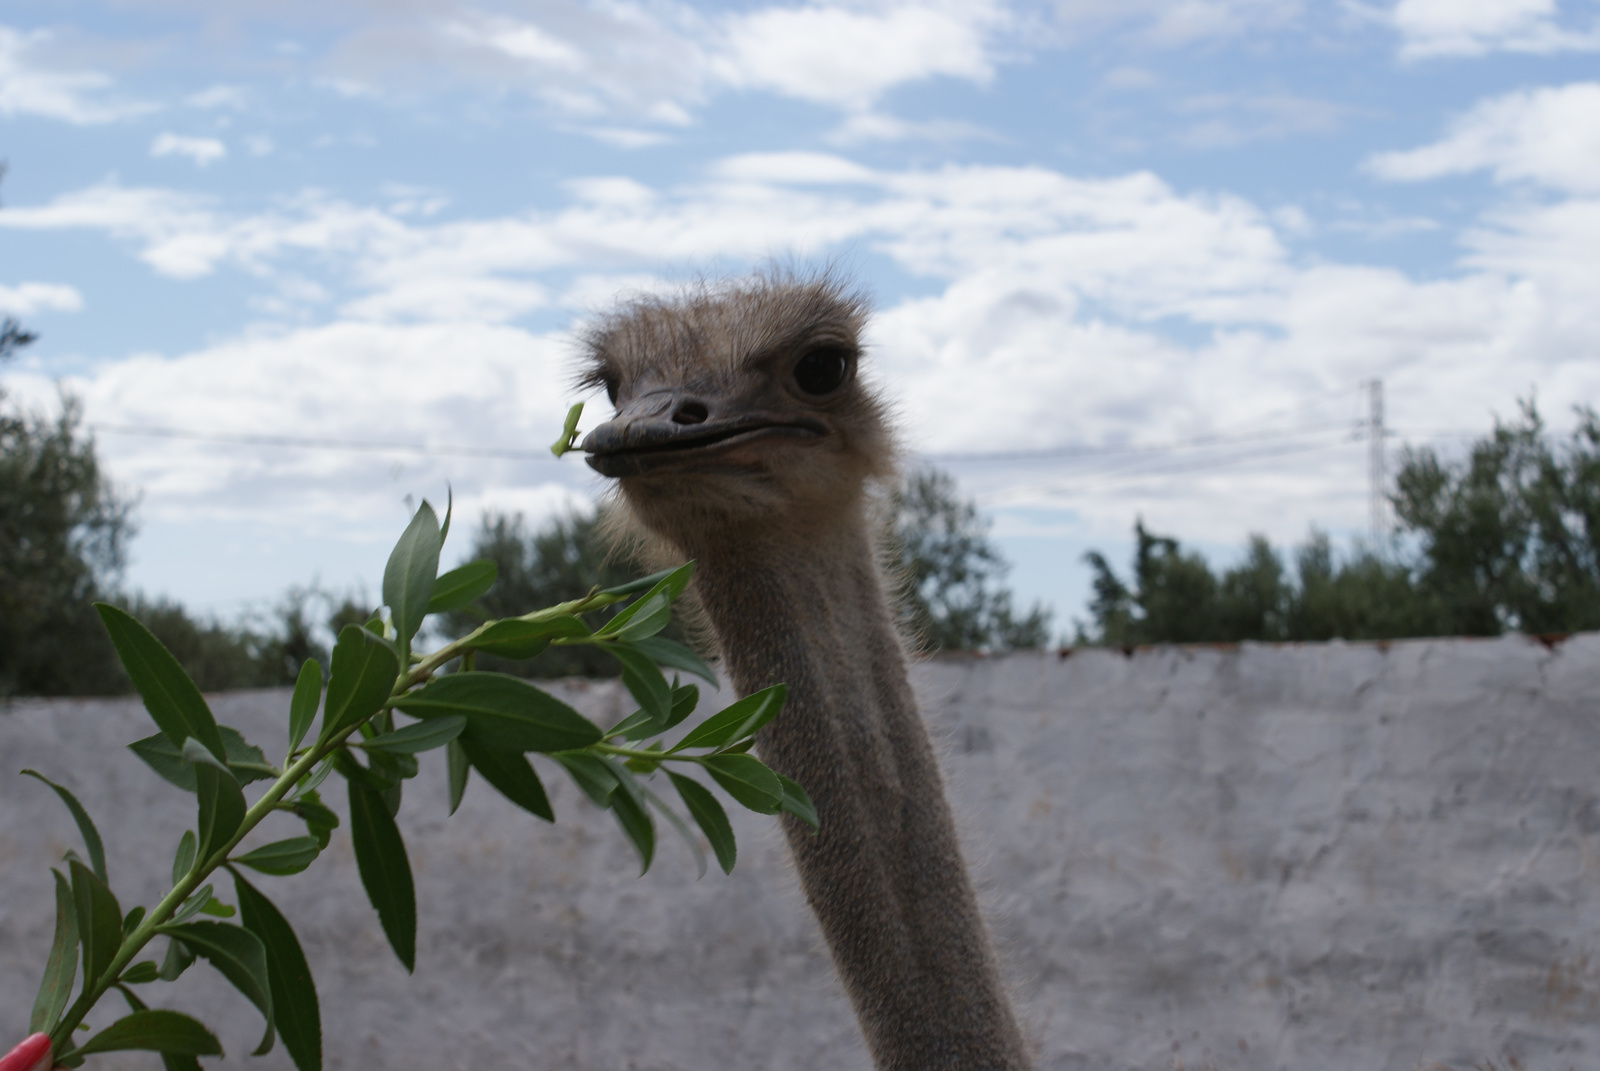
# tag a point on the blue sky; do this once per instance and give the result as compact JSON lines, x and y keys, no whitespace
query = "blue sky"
{"x":1168,"y":240}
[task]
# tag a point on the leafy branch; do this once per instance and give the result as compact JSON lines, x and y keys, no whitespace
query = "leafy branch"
{"x":484,"y":722}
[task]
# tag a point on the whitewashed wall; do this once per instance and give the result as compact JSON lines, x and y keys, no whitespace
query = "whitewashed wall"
{"x":1326,"y":856}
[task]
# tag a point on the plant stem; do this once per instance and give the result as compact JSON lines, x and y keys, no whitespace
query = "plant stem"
{"x":640,"y":753}
{"x":202,"y":869}
{"x":147,"y":929}
{"x":424,"y":669}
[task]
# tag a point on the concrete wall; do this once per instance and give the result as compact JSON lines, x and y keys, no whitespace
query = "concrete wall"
{"x":1330,"y":856}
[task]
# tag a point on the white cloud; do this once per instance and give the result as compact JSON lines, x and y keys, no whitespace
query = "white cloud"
{"x":203,"y":151}
{"x":1475,"y":27}
{"x":347,"y":381}
{"x":31,"y":85}
{"x":594,"y":62}
{"x":860,"y":127}
{"x":1232,"y":119}
{"x":621,"y":66}
{"x":521,"y":41}
{"x":233,"y":98}
{"x":1054,"y":310}
{"x":26,"y":298}
{"x":626,"y":138}
{"x":1549,"y":136}
{"x":848,"y":58}
{"x":1174,"y":23}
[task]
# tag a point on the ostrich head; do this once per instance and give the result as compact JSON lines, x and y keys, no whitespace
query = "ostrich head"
{"x":738,"y":406}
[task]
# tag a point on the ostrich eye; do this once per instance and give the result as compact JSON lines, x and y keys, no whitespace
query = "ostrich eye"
{"x":822,"y":370}
{"x":611,"y":389}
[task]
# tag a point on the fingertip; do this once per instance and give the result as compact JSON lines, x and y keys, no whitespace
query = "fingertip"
{"x":33,"y":1054}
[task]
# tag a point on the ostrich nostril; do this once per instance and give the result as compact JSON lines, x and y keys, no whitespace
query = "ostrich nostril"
{"x":689,"y":413}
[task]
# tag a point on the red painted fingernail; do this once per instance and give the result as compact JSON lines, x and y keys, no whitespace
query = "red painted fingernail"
{"x":32,"y":1055}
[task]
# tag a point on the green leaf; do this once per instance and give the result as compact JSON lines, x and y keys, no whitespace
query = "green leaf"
{"x":246,"y":762}
{"x":91,"y":836}
{"x":169,"y":1061}
{"x":61,"y":968}
{"x":593,"y":776}
{"x":282,"y":856}
{"x":569,"y":431}
{"x":192,"y":906}
{"x":462,"y":585}
{"x":169,"y":695}
{"x":667,"y":588}
{"x":217,"y":909}
{"x":310,"y":782}
{"x":131,"y":920}
{"x":237,"y":954}
{"x":385,"y":871}
{"x":364,"y":672}
{"x":636,"y":726}
{"x":408,"y":578}
{"x":796,"y":802}
{"x":221,"y":803}
{"x":746,"y":780}
{"x":738,"y":721}
{"x":503,"y":712}
{"x":459,"y":769}
{"x":683,"y":831}
{"x":641,"y":765}
{"x":353,"y":771}
{"x":140,"y":973}
{"x":294,"y":994}
{"x":99,"y":920}
{"x":320,"y":820}
{"x":183,"y":858}
{"x":423,"y":736}
{"x":684,"y":700}
{"x":674,"y":655}
{"x":652,"y":581}
{"x":449,"y":509}
{"x":178,"y":958}
{"x":710,"y":817}
{"x":303,"y":704}
{"x":153,"y":1030}
{"x":629,"y":807}
{"x":518,"y":639}
{"x":396,"y":764}
{"x":512,"y":776}
{"x":646,"y":617}
{"x":644,"y":682}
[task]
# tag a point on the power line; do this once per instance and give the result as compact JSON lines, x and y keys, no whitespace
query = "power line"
{"x":305,"y":443}
{"x":1128,"y":454}
{"x":1175,"y":446}
{"x":1169,"y":469}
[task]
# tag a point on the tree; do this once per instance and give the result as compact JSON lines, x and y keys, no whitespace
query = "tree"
{"x":64,"y":531}
{"x":63,"y":538}
{"x":1510,"y":537}
{"x":1362,"y":597}
{"x":950,"y":570}
{"x":940,"y":542}
{"x":1507,"y":538}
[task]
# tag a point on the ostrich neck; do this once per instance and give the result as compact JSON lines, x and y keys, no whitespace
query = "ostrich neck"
{"x":884,"y":875}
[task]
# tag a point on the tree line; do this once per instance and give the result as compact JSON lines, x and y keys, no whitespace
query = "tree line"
{"x":65,"y":531}
{"x":1505,"y":539}
{"x":1508,"y":538}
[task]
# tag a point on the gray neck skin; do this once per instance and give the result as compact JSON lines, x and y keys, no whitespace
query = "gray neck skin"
{"x":884,"y":875}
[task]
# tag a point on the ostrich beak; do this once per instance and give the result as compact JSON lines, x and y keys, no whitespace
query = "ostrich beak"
{"x":673,"y":429}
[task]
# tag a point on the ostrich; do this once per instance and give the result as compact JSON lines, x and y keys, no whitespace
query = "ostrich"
{"x":745,"y":439}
